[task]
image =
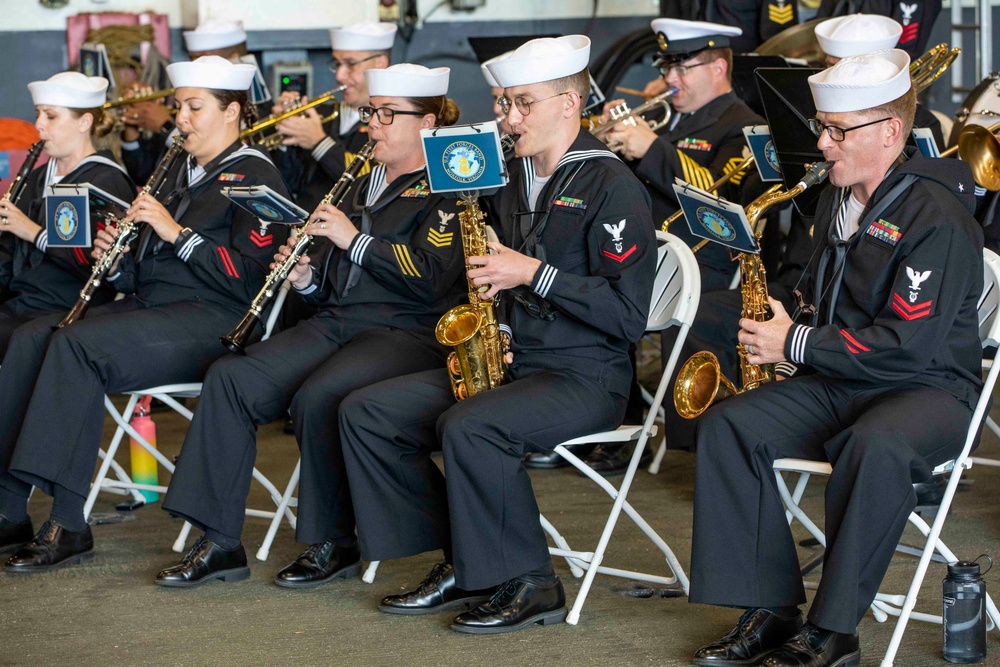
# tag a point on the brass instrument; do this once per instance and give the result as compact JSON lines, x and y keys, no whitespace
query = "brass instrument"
{"x":477,"y":363}
{"x":138,"y":99}
{"x":929,"y":67}
{"x":17,"y":185}
{"x":700,"y":381}
{"x":128,"y":230}
{"x":725,"y":178}
{"x":799,"y":41}
{"x":979,"y":146}
{"x":300,"y":241}
{"x":622,"y":113}
{"x":263,"y":132}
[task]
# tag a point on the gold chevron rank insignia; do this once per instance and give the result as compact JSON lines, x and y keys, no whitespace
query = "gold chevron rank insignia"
{"x":349,"y":158}
{"x":694,"y":173}
{"x":438,"y":239}
{"x":732,"y":164}
{"x":406,"y":264}
{"x":780,"y":14}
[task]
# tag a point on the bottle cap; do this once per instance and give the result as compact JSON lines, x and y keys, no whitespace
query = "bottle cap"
{"x":963,"y":569}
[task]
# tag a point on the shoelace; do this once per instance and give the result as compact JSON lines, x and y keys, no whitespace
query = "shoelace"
{"x":189,"y":556}
{"x":510,"y":589}
{"x":433,"y":578}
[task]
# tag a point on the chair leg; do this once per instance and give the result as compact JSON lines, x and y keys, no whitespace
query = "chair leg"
{"x":575,"y":565}
{"x":654,"y":467}
{"x":182,"y":538}
{"x":369,"y":575}
{"x":279,"y":513}
{"x":102,"y":472}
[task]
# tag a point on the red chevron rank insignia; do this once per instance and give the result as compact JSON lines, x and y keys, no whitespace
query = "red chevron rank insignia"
{"x":909,"y":32}
{"x":853,"y":345}
{"x":911,"y":311}
{"x":260,"y":241}
{"x":619,"y":257}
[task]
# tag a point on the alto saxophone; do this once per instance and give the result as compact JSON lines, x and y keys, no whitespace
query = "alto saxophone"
{"x":700,"y":382}
{"x":477,"y":363}
{"x":236,"y":340}
{"x":128,"y":230}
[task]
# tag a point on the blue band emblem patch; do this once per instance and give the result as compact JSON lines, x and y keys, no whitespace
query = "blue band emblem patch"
{"x":464,"y":161}
{"x":263,"y":210}
{"x":67,"y":221}
{"x":715,"y":224}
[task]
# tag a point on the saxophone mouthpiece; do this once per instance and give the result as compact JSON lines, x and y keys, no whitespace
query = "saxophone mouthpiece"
{"x":817,"y":173}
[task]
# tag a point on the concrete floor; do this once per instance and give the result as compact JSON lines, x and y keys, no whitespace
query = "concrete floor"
{"x":109,"y":612}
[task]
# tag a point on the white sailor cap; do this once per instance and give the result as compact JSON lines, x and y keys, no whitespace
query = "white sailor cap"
{"x":213,"y":35}
{"x":211,"y":72}
{"x":70,"y":89}
{"x":542,"y":59}
{"x":407,"y":80}
{"x":364,"y":36}
{"x":855,"y":34}
{"x":862,"y":82}
{"x":680,"y":39}
{"x":484,"y":68}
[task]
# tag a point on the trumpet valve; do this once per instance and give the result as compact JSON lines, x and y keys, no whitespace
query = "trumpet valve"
{"x":620,"y":111}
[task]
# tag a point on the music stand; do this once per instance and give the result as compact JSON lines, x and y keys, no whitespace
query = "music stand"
{"x":788,"y":105}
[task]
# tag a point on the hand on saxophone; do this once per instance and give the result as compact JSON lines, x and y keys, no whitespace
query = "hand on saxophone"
{"x":503,"y":268}
{"x":300,"y":275}
{"x":765,"y":341}
{"x":102,"y":242}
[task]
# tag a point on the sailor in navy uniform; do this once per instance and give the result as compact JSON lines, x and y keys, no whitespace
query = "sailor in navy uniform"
{"x":197,"y":264}
{"x":575,"y":266}
{"x":380,"y":291}
{"x":317,"y":154}
{"x":888,"y":357}
{"x":44,"y":279}
{"x":704,"y":137}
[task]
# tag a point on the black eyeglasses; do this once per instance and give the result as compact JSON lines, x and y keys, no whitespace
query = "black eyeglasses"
{"x":838,"y":133}
{"x":385,"y":114}
{"x":523,"y":106}
{"x":680,"y":70}
{"x":335,"y":64}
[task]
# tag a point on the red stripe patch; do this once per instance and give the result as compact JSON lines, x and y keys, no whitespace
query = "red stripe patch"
{"x":909,"y":33}
{"x":80,"y":256}
{"x":227,"y":263}
{"x":619,"y":258}
{"x":911,"y":312}
{"x":853,"y":344}
{"x":260,"y":241}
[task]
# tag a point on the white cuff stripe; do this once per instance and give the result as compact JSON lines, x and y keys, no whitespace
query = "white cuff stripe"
{"x":785,"y":368}
{"x":42,"y":240}
{"x":193,"y":241}
{"x":360,"y":246}
{"x":800,"y":338}
{"x":545,"y":280}
{"x":130,"y":145}
{"x":309,"y":290}
{"x":505,"y":328}
{"x":321,"y":148}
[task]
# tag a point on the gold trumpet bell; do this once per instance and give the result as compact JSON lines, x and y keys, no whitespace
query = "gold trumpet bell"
{"x":981,"y":149}
{"x":699,"y":384}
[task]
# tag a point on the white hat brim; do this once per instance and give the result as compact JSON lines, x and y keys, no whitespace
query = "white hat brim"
{"x":543,"y":59}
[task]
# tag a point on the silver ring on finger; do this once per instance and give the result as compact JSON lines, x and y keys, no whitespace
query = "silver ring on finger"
{"x":749,"y":347}
{"x":4,"y":220}
{"x":322,"y":225}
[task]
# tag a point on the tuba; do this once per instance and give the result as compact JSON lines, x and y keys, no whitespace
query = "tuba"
{"x":700,"y":382}
{"x":236,"y":340}
{"x":477,"y":363}
{"x":263,"y":132}
{"x":128,"y":230}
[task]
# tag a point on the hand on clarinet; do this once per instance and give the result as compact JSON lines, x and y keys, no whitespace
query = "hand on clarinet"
{"x":330,"y":222}
{"x":147,"y":209}
{"x":300,"y":275}
{"x":13,"y":220}
{"x":102,"y":243}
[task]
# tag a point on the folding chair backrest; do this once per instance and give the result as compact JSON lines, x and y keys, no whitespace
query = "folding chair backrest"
{"x":989,"y":302}
{"x":677,"y":287}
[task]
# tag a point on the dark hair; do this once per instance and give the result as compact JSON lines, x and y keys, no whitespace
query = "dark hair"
{"x":103,"y":121}
{"x":443,"y":108}
{"x":578,"y":83}
{"x":248,"y":111}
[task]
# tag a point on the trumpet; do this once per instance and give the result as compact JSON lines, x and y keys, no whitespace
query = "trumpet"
{"x":138,"y":99}
{"x":262,"y":132}
{"x":622,"y":113}
{"x":236,"y":340}
{"x":700,"y":381}
{"x":128,"y":230}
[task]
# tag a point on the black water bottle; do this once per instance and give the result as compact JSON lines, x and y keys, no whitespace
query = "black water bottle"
{"x":964,"y":613}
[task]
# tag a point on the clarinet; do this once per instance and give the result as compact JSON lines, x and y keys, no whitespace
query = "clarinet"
{"x":19,"y":182}
{"x":236,"y":340}
{"x":128,"y":230}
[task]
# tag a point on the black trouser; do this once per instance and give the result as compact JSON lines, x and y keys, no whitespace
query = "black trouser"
{"x":879,"y":440}
{"x":52,"y":385}
{"x":311,"y":368}
{"x":484,"y":510}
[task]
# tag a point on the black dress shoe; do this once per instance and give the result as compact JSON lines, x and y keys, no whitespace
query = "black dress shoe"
{"x":204,"y":562}
{"x":816,"y":647}
{"x":52,"y":547}
{"x":612,"y":458}
{"x":319,"y":563}
{"x":516,"y":605}
{"x":14,"y":535}
{"x":758,"y":632}
{"x":549,"y":460}
{"x":438,"y":592}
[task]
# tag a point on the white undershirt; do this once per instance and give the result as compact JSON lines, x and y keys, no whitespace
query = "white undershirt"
{"x":537,"y":184}
{"x":849,"y":217}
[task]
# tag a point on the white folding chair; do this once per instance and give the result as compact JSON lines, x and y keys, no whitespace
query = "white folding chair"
{"x":676,"y":290}
{"x":168,"y":394}
{"x":898,"y":605}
